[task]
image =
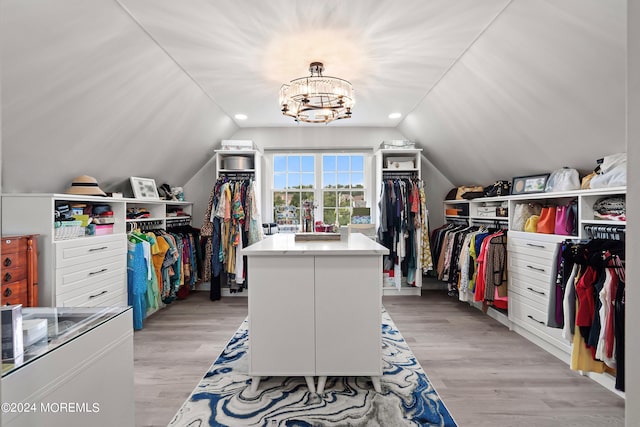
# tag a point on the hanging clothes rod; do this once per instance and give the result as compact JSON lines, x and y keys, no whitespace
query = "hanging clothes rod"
{"x":612,"y":232}
{"x":237,"y":175}
{"x":392,"y":175}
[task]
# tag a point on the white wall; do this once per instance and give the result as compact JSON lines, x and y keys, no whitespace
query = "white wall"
{"x":87,"y":91}
{"x":633,"y":219}
{"x":542,"y":88}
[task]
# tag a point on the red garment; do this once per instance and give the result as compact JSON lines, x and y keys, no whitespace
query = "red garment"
{"x":482,"y":266}
{"x":586,"y":303}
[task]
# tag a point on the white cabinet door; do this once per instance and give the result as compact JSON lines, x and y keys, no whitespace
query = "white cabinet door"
{"x":348,"y":296}
{"x":281,"y":316}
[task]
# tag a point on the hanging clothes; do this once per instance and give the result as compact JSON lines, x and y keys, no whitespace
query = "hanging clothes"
{"x":232,"y":222}
{"x":595,"y":287}
{"x":403,"y":230}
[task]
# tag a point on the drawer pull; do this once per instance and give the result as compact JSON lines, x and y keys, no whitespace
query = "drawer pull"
{"x":8,"y":277}
{"x":98,"y":272}
{"x":97,"y":295}
{"x":8,"y":292}
{"x":537,"y":292}
{"x":7,"y":262}
{"x":536,"y":268}
{"x":533,"y":245}
{"x":534,"y":319}
{"x":98,"y":249}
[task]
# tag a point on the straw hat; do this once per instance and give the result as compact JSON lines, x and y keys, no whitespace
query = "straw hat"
{"x":86,"y":186}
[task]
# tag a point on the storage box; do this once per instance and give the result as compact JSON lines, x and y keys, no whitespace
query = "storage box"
{"x":33,"y":330}
{"x":398,"y":144}
{"x":102,"y":229}
{"x":400,"y":163}
{"x":237,"y":144}
{"x":486,"y":211}
{"x":237,"y":163}
{"x":11,"y":320}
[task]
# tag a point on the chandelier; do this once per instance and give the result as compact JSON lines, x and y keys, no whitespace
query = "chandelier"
{"x":318,"y":98}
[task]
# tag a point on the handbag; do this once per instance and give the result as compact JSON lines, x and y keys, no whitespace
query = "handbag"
{"x":565,"y":179}
{"x":565,"y":223}
{"x":521,"y":213}
{"x":531,"y":225}
{"x":468,"y":189}
{"x":500,"y":188}
{"x":547,"y":222}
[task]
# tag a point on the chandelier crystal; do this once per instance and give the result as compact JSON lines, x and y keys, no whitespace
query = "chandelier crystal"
{"x":318,"y":98}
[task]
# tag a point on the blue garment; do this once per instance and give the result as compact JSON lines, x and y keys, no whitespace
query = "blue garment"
{"x":136,"y":282}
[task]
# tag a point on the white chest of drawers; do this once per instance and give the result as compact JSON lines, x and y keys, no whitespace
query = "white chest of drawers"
{"x":78,"y":272}
{"x":532,"y":275}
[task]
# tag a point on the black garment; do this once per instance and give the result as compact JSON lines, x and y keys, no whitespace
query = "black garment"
{"x":619,"y":334}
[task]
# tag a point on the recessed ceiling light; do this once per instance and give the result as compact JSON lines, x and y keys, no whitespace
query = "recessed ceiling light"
{"x":241,"y":116}
{"x":395,"y":115}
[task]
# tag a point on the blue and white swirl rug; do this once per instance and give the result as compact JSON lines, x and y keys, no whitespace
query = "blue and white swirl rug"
{"x":223,"y":397}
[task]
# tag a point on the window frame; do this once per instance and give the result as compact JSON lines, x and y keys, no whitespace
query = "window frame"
{"x":318,"y":190}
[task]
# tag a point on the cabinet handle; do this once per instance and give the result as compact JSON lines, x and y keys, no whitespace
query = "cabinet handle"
{"x":98,"y":249}
{"x":7,"y":277}
{"x":98,"y":272}
{"x":97,"y":295}
{"x":536,"y":268}
{"x":533,"y":245}
{"x":7,"y":262}
{"x":537,"y":292}
{"x":8,"y":292}
{"x":534,"y":319}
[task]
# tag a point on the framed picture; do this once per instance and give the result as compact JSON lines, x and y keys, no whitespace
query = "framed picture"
{"x":529,"y":184}
{"x":144,"y":188}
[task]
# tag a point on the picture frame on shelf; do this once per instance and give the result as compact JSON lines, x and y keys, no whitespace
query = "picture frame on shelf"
{"x":529,"y":184}
{"x":144,"y":188}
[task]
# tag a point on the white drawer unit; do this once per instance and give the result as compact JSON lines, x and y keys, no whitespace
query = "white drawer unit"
{"x":534,"y":319}
{"x":536,"y":248}
{"x":532,"y":277}
{"x":529,"y":288}
{"x":82,"y":251}
{"x":102,"y":294}
{"x":82,"y":270}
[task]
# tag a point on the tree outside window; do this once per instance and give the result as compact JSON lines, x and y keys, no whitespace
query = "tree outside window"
{"x":293,"y":182}
{"x":342,"y":186}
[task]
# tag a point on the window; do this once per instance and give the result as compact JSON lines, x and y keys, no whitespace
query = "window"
{"x":293,"y":182}
{"x":342,"y":186}
{"x":338,"y":186}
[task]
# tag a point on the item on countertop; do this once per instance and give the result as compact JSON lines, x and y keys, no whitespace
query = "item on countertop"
{"x":500,"y":188}
{"x":610,"y":208}
{"x":566,"y":219}
{"x":611,"y":172}
{"x":531,"y":226}
{"x":564,"y":179}
{"x":522,"y":212}
{"x":586,"y":181}
{"x":11,"y":321}
{"x":529,"y":184}
{"x":85,"y":185}
{"x":474,"y":190}
{"x":547,"y":221}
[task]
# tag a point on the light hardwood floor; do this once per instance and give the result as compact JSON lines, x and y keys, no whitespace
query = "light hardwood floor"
{"x":486,"y":375}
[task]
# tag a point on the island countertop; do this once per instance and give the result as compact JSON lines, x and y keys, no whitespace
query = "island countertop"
{"x":285,"y":244}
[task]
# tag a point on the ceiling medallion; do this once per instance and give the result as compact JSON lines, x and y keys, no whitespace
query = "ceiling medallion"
{"x":317,"y":98}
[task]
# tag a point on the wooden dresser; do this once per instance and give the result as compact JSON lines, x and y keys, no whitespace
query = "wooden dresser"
{"x":19,"y":270}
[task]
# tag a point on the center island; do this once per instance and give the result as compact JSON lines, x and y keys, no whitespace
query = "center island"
{"x":315,"y":308}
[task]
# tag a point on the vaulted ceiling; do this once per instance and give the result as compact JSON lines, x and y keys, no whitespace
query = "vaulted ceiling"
{"x":489,"y":89}
{"x":240,"y":53}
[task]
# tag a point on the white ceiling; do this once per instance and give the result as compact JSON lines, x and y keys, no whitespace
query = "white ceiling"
{"x":240,"y":52}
